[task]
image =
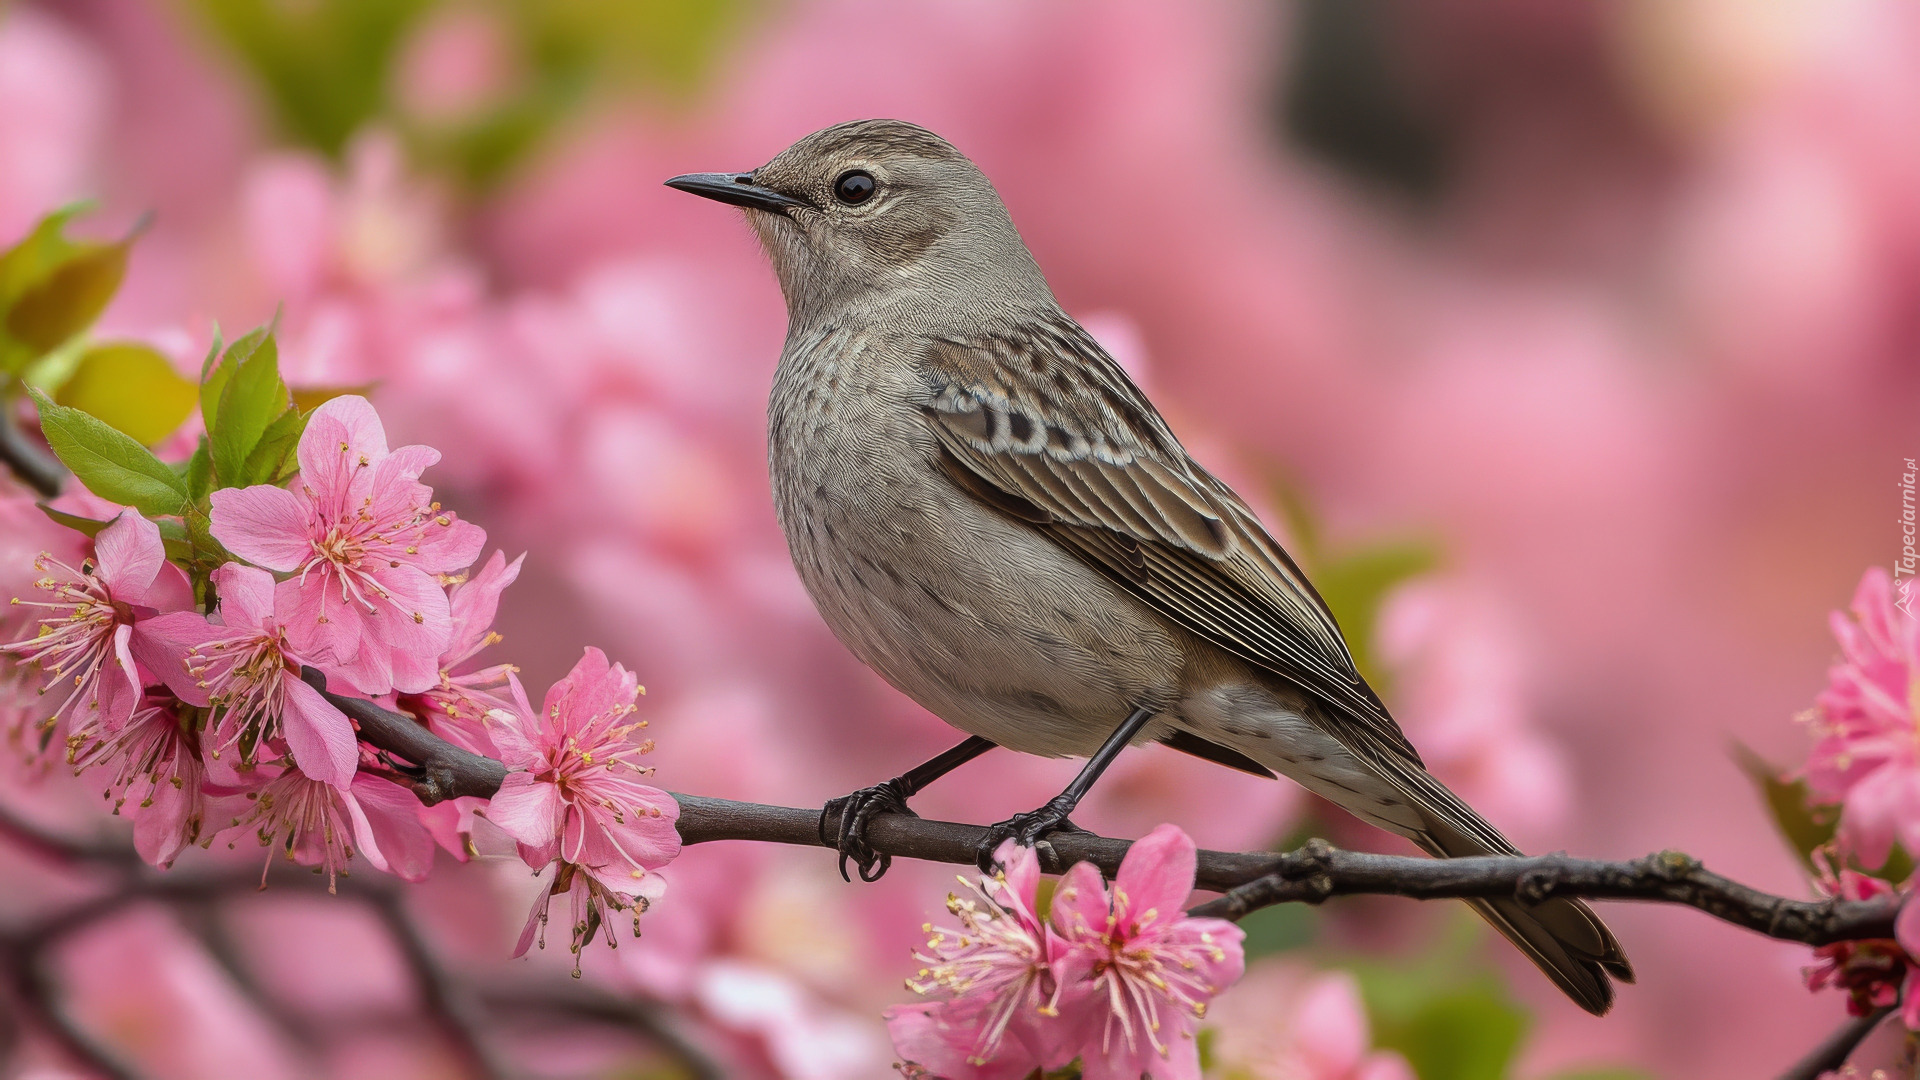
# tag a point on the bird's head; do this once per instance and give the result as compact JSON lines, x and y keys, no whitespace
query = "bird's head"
{"x":873,"y":212}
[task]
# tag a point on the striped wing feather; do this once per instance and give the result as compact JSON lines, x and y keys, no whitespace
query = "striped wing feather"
{"x":1045,"y":426}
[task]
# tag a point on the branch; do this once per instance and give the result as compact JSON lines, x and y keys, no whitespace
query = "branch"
{"x":28,"y":462}
{"x":1250,"y":880}
{"x":1837,"y":1048}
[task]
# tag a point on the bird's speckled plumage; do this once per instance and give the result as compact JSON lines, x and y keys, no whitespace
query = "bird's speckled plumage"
{"x":992,"y":516}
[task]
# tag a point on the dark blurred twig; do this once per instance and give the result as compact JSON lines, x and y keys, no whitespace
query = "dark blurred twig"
{"x":577,"y":1001}
{"x":1837,"y":1048}
{"x":450,"y":1006}
{"x":28,"y":462}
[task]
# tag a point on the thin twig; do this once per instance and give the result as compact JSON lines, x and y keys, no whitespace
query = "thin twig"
{"x":1838,"y":1047}
{"x":1251,"y":881}
{"x":449,"y":1005}
{"x":32,"y":465}
{"x":574,"y":1001}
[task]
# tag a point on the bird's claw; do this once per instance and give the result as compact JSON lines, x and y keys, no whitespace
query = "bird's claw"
{"x":850,"y":813}
{"x":1027,"y":830}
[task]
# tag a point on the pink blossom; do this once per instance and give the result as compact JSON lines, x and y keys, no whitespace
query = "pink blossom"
{"x":158,"y":770}
{"x":593,"y":906}
{"x":243,"y":668}
{"x":1873,"y":973}
{"x":1152,"y":969}
{"x":95,"y":622}
{"x":366,"y":541}
{"x":1867,"y":758}
{"x":992,"y":978}
{"x":456,"y":706}
{"x":320,"y":825}
{"x":574,"y":794}
{"x":1287,"y":1022}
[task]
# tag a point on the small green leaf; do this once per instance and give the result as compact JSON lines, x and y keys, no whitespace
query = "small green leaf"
{"x":67,"y":300}
{"x":1279,"y":928}
{"x":52,"y":288}
{"x":132,"y":388}
{"x":109,"y":462}
{"x":272,"y":460}
{"x":199,"y":474}
{"x":84,"y":525}
{"x":253,"y":397}
{"x":1354,"y":583}
{"x":217,"y":369}
{"x":310,"y":398}
{"x":1469,"y":1033}
{"x":1805,"y":827}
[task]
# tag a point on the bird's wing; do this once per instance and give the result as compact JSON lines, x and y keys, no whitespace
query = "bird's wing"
{"x":1043,"y":425}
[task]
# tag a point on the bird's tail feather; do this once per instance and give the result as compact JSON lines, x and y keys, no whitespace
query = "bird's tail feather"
{"x":1562,"y":936}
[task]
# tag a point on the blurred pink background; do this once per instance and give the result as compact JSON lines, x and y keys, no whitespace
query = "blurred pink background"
{"x":1615,"y":306}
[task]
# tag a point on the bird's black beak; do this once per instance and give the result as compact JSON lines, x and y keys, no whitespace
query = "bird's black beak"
{"x":737,"y":189}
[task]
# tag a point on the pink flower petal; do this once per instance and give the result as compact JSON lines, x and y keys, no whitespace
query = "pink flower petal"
{"x":528,"y":810}
{"x":160,"y":645}
{"x":264,"y":525}
{"x":1156,"y":876}
{"x":129,"y":555}
{"x":318,"y":735}
{"x":246,"y":595}
{"x":392,"y":832}
{"x":341,"y":434}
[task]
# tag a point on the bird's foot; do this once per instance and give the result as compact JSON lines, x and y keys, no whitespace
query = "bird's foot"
{"x":850,"y":814}
{"x":1028,"y":830}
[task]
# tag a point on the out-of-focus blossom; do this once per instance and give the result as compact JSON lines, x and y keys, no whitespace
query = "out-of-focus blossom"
{"x":88,"y":638}
{"x":365,"y":540}
{"x":1867,"y":758}
{"x":994,"y":983}
{"x":1873,"y":973}
{"x":317,"y":824}
{"x":1151,"y":968}
{"x":54,"y":94}
{"x":1457,"y":665}
{"x":243,"y":668}
{"x":1284,"y":1022}
{"x":802,"y":1037}
{"x":456,"y":706}
{"x":157,"y":769}
{"x":457,"y":63}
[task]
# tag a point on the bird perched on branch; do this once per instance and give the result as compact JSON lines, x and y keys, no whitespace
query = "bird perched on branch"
{"x":992,"y":516}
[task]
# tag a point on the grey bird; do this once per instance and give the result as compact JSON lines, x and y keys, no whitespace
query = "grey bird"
{"x":989,"y":514}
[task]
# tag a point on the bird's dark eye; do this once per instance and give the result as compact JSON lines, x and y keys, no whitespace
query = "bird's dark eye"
{"x":854,"y":187}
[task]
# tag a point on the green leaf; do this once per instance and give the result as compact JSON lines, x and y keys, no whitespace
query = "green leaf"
{"x":272,"y":459}
{"x":109,"y":462}
{"x":309,"y":398}
{"x":67,"y":300}
{"x":53,"y":288}
{"x":1805,"y":827}
{"x":253,"y":397}
{"x":1353,"y":585}
{"x":84,"y":525}
{"x":1279,"y":928}
{"x":131,"y":387}
{"x":217,"y":368}
{"x":199,"y":474}
{"x":1471,"y":1032}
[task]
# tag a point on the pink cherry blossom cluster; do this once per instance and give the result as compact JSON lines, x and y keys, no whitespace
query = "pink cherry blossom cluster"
{"x":1118,"y":977}
{"x":1867,"y":762}
{"x":196,"y":709}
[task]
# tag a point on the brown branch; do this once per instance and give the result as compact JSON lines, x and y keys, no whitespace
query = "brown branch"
{"x":1837,"y":1048}
{"x":1251,"y":881}
{"x":31,"y":464}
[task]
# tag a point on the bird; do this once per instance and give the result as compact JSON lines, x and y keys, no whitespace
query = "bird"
{"x":993,"y":517}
